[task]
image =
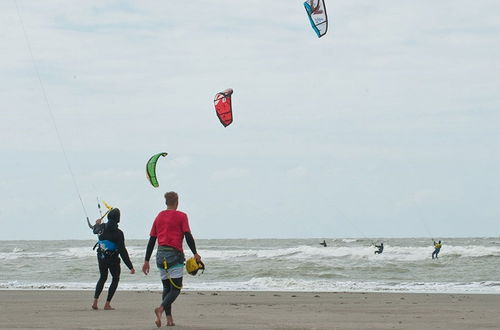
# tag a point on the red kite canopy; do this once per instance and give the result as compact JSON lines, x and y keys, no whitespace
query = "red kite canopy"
{"x":223,"y":107}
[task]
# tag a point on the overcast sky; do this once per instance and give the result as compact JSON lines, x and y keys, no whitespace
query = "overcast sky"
{"x":387,"y":126}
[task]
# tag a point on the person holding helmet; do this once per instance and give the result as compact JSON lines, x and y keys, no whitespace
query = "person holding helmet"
{"x":193,"y":266}
{"x":170,"y":228}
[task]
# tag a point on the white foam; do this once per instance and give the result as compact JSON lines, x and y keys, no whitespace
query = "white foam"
{"x":288,"y":284}
{"x":256,"y":266}
{"x":303,"y":252}
{"x":348,"y":240}
{"x":280,"y":284}
{"x":395,"y":253}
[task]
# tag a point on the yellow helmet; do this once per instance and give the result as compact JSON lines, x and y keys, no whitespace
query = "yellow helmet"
{"x":192,"y":266}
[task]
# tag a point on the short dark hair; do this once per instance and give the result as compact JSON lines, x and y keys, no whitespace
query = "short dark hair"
{"x":171,"y":198}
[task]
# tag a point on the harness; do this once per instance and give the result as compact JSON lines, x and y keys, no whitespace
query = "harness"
{"x":105,"y":248}
{"x":165,"y":266}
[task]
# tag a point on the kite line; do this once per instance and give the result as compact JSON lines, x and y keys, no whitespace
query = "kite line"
{"x":49,"y":108}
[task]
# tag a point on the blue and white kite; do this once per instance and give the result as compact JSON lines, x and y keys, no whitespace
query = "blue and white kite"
{"x":316,"y":11}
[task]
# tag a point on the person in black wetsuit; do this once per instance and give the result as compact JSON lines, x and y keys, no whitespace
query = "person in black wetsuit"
{"x":110,"y":247}
{"x":380,"y":248}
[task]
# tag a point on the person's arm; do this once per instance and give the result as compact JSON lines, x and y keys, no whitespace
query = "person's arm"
{"x":98,"y":228}
{"x":190,"y":242}
{"x":189,"y":238}
{"x":150,"y":248}
{"x":124,"y":253}
{"x":192,"y":245}
{"x":149,"y":251}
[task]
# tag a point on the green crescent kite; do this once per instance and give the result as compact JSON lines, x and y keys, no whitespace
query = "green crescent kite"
{"x":151,"y":168}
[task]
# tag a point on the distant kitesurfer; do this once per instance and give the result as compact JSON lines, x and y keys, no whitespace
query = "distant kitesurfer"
{"x":170,"y":228}
{"x":324,"y":243}
{"x":110,"y":247}
{"x":380,"y":248}
{"x":437,"y":248}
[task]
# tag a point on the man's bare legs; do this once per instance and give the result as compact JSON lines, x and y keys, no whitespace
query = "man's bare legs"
{"x":107,"y":306}
{"x":170,"y":321}
{"x":158,"y":312}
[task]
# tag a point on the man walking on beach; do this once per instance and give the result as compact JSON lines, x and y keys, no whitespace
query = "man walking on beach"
{"x":170,"y":227}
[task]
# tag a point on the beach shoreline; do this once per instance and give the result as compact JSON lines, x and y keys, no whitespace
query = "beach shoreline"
{"x":65,"y":309}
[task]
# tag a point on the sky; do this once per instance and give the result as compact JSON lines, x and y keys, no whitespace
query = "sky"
{"x":388,"y":126}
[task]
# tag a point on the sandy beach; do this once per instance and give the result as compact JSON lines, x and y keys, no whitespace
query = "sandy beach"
{"x":252,"y":310}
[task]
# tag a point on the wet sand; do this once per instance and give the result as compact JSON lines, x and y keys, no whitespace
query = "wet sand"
{"x":251,"y":310}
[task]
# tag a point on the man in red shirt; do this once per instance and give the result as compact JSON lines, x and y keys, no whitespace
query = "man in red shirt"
{"x":170,"y":227}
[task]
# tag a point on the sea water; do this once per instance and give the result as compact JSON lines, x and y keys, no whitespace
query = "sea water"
{"x":465,"y":265}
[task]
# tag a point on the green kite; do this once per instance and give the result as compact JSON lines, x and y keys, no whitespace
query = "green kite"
{"x":151,"y":168}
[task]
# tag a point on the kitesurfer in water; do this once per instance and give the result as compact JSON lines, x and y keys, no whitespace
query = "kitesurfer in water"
{"x":110,"y":247}
{"x":380,"y":248}
{"x":324,"y":243}
{"x":170,"y":228}
{"x":437,"y":248}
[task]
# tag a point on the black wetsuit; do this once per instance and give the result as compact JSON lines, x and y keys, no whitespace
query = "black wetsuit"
{"x":380,"y":248}
{"x":111,"y":261}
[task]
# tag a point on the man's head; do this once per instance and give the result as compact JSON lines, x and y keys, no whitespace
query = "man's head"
{"x":114,"y":215}
{"x":172,"y":200}
{"x":439,"y":242}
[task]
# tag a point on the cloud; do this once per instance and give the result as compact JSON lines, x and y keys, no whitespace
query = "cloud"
{"x":298,"y":171}
{"x":230,"y":174}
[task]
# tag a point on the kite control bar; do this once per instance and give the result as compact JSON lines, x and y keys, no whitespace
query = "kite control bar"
{"x":109,"y":207}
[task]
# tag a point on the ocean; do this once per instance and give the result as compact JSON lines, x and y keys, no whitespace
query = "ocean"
{"x":465,"y":265}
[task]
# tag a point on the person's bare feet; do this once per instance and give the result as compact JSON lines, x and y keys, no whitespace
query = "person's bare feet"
{"x":108,"y":307}
{"x":158,"y":312}
{"x":94,"y":305}
{"x":170,"y":321}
